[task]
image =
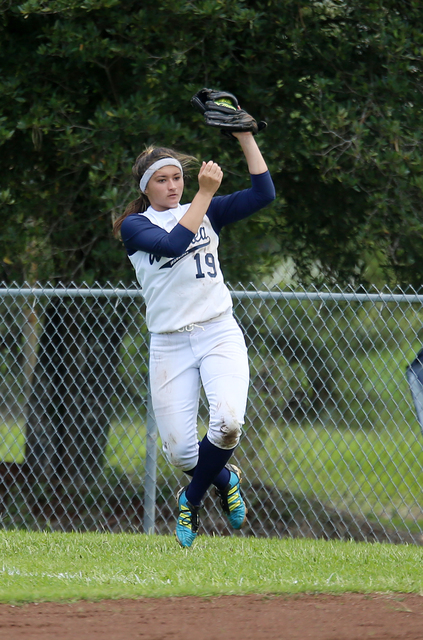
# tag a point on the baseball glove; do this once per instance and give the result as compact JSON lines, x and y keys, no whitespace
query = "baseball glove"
{"x":221,"y":110}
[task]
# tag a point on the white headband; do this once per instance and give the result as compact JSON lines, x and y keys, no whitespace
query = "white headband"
{"x":164,"y":162}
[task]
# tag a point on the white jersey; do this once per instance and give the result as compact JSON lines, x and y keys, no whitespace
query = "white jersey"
{"x":183,"y":290}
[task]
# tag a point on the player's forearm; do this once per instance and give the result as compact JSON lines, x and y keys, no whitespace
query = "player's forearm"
{"x":139,"y":234}
{"x":195,"y":214}
{"x":255,"y":160}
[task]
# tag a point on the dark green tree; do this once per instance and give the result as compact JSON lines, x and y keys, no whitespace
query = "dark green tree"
{"x":86,"y":84}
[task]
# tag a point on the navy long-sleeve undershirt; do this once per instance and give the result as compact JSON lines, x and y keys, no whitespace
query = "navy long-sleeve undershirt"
{"x":139,"y":234}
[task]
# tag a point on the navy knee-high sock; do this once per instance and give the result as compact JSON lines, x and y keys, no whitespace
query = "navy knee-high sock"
{"x":220,"y":481}
{"x":210,"y":465}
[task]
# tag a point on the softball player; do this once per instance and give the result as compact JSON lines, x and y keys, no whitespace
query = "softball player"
{"x":194,"y":336}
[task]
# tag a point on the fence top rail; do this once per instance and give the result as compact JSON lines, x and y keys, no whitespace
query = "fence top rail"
{"x":110,"y":292}
{"x":324,"y":296}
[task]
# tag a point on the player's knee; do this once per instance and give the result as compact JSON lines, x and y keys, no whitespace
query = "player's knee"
{"x":226,"y":433}
{"x":181,"y":456}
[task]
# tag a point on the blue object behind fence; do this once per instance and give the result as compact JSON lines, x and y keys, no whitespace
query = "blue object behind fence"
{"x":414,"y":374}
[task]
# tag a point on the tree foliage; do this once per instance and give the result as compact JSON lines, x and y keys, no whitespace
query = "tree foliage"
{"x":86,"y":84}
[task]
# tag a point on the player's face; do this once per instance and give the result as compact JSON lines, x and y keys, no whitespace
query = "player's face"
{"x":165,"y":187}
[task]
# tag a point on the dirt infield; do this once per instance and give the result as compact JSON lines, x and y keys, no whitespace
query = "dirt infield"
{"x":256,"y":617}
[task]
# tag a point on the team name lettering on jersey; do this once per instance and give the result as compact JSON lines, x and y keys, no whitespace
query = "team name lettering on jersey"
{"x":170,"y":263}
{"x":200,"y":235}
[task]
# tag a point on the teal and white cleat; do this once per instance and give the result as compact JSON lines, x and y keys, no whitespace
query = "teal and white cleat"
{"x":231,"y":499}
{"x":188,"y":520}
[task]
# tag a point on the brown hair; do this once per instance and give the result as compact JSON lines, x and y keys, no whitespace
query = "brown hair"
{"x":145,"y":160}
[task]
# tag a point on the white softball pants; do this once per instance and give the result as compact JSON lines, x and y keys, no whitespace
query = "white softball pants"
{"x":212,"y":354}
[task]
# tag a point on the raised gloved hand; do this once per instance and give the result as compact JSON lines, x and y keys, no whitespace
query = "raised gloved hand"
{"x":221,"y":110}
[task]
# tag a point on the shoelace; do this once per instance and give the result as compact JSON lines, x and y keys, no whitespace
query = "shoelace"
{"x":188,"y":517}
{"x":229,"y":499}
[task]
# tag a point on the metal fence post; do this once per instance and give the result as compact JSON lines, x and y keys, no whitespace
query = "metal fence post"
{"x":150,"y":469}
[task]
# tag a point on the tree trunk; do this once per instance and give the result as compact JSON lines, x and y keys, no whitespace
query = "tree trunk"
{"x":73,"y":386}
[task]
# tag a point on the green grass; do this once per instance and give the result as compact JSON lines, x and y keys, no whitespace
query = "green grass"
{"x":375,"y":471}
{"x":365,"y":456}
{"x":12,"y":442}
{"x":69,"y":566}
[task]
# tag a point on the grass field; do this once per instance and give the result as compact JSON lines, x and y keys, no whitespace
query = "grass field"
{"x":362,"y":452}
{"x":377,"y":468}
{"x":371,"y":472}
{"x":375,"y":471}
{"x":38,"y":567}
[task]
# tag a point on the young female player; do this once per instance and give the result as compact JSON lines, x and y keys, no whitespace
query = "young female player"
{"x":194,"y":336}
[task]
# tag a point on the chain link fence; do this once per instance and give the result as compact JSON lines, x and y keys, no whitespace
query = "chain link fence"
{"x":331,"y":447}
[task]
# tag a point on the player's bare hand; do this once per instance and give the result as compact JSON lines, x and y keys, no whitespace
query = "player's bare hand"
{"x":210,"y":177}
